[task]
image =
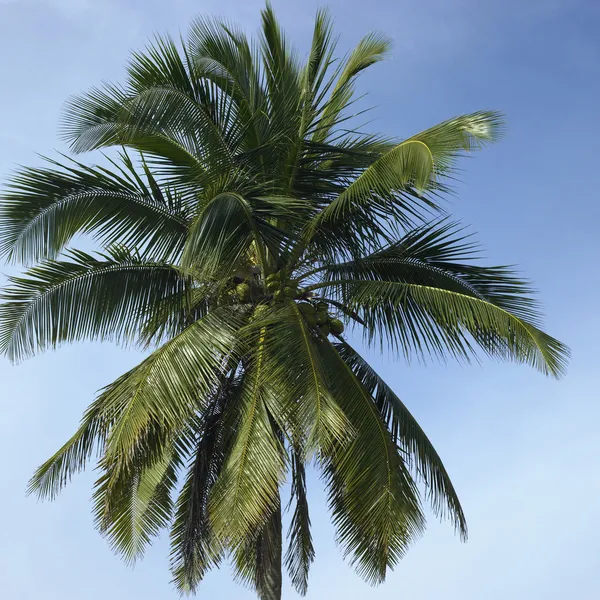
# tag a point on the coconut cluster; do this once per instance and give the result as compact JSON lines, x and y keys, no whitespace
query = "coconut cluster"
{"x":317,"y":317}
{"x":280,"y":287}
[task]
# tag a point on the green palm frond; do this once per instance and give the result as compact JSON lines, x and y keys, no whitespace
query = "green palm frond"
{"x":300,"y":552}
{"x":257,"y":561}
{"x":389,"y":184}
{"x":194,"y":546}
{"x":43,"y":209}
{"x":375,"y":504}
{"x":49,"y":479}
{"x":173,"y":383}
{"x":133,"y":505}
{"x":417,"y":296}
{"x":226,"y":228}
{"x":224,"y":55}
{"x":88,"y":121}
{"x":85,"y":297}
{"x":428,"y":319}
{"x":221,"y":235}
{"x":372,"y":49}
{"x":246,"y":492}
{"x":435,"y":255}
{"x":407,"y":433}
{"x":282,"y":75}
{"x":293,"y":369}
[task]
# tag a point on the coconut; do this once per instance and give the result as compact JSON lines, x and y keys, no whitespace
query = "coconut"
{"x":322,"y":317}
{"x":291,"y":292}
{"x":306,"y":308}
{"x":260,"y":310}
{"x":272,"y":277}
{"x":279,"y":296}
{"x":273,"y":286}
{"x":322,"y":306}
{"x":243,"y":291}
{"x":325,"y":329}
{"x":337,"y":327}
{"x":311,"y":320}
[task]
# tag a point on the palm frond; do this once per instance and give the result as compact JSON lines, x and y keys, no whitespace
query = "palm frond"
{"x":370,"y":50}
{"x":300,"y":552}
{"x":434,"y":255}
{"x":173,"y":383}
{"x":436,"y":320}
{"x":258,"y":560}
{"x":374,"y":500}
{"x":282,"y":74}
{"x":221,"y":53}
{"x":133,"y":505}
{"x":406,"y":432}
{"x":194,"y":546}
{"x":293,"y":369}
{"x":246,"y":492}
{"x":393,"y":184}
{"x":85,"y":297}
{"x":49,"y":479}
{"x":43,"y":209}
{"x":221,"y":235}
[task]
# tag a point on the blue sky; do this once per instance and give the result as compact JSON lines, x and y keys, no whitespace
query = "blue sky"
{"x":523,"y":450}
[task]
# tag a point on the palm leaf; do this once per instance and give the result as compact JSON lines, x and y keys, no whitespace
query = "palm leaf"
{"x":194,"y":546}
{"x":370,"y":50}
{"x":104,"y":297}
{"x":411,"y":439}
{"x":133,"y":505}
{"x":293,"y":370}
{"x":44,"y":208}
{"x":388,"y":185}
{"x":375,"y":504}
{"x":436,"y":320}
{"x":434,"y":255}
{"x":258,"y":560}
{"x":223,"y":55}
{"x":173,"y":383}
{"x":246,"y":492}
{"x":49,"y":479}
{"x":221,"y":235}
{"x":300,"y":552}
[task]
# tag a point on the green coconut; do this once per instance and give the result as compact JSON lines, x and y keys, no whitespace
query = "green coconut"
{"x":306,"y":308}
{"x":322,"y":317}
{"x":243,"y":291}
{"x":291,"y":292}
{"x":311,"y":320}
{"x":273,"y":286}
{"x":260,"y":310}
{"x":322,"y":306}
{"x":337,"y":327}
{"x":272,"y":277}
{"x":279,"y":296}
{"x":325,"y":329}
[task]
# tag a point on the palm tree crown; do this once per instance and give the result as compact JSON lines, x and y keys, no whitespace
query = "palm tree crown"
{"x":243,"y":224}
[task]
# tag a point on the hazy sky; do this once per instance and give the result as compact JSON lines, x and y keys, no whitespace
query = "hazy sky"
{"x":523,"y":450}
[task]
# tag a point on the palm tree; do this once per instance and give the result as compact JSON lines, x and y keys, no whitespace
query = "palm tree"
{"x":243,"y":223}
